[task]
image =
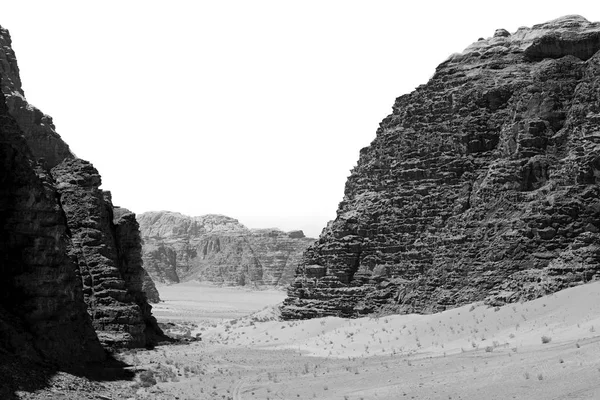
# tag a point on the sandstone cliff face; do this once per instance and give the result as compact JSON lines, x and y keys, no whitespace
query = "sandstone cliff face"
{"x":217,"y":248}
{"x":111,"y":271}
{"x":481,"y":185}
{"x":69,"y":267}
{"x":41,"y":301}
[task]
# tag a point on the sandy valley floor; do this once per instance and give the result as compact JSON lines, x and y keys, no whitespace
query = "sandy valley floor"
{"x":545,"y":349}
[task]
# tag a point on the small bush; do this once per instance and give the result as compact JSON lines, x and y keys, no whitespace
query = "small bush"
{"x":147,"y":379}
{"x":546,"y":339}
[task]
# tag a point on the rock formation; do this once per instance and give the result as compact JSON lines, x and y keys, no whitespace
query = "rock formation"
{"x":218,"y":249}
{"x":41,"y":299}
{"x":71,"y":262}
{"x":130,"y":256}
{"x":482,"y":185}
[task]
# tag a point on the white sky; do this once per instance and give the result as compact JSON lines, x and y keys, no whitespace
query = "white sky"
{"x":252,"y":109}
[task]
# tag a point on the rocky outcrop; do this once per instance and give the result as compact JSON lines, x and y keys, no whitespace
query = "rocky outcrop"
{"x":71,"y":274}
{"x":137,"y":280}
{"x":40,"y":133}
{"x":482,"y":184}
{"x":41,"y":299}
{"x":218,"y":249}
{"x":106,"y":245}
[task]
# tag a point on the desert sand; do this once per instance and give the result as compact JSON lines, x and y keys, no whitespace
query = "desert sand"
{"x":202,"y":302}
{"x":544,"y":349}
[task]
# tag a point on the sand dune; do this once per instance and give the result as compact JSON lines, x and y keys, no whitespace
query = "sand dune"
{"x":563,"y":317}
{"x":544,"y":349}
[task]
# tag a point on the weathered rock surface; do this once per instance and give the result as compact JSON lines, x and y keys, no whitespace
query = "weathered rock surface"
{"x":71,"y":275}
{"x":41,"y":301}
{"x":106,"y":245}
{"x":482,"y":184}
{"x":218,"y":249}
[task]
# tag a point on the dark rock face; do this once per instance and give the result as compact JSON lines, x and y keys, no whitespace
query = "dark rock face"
{"x":41,"y":301}
{"x":139,"y":284}
{"x":481,"y":185}
{"x":107,"y":248}
{"x":558,"y":41}
{"x":219,"y":249}
{"x":70,"y":273}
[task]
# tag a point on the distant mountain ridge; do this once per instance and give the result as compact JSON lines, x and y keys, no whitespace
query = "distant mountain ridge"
{"x":217,"y":248}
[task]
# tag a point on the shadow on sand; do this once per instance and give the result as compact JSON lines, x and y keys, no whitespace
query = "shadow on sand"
{"x":19,"y":375}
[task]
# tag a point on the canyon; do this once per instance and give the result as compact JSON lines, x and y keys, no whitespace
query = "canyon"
{"x":463,"y":260}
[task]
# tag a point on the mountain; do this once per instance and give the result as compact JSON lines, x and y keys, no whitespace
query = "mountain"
{"x":218,"y":249}
{"x":481,"y":185}
{"x":70,"y":261}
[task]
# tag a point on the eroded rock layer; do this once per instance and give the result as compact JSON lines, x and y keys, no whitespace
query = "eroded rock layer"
{"x":71,"y":263}
{"x":41,"y":300}
{"x":218,"y":249}
{"x":481,"y":185}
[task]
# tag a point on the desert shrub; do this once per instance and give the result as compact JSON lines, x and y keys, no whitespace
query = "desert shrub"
{"x":546,"y":339}
{"x":164,"y":374}
{"x":147,"y":379}
{"x":489,"y":349}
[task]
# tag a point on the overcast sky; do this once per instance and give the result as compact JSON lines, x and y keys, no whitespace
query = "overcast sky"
{"x":252,"y":109}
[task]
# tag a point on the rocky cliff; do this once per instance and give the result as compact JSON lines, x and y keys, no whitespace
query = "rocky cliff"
{"x":483,"y":184}
{"x":219,"y":249}
{"x":41,"y":299}
{"x":71,"y":262}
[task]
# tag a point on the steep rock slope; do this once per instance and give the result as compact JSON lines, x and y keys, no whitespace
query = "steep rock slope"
{"x":217,"y":248}
{"x":63,"y":249}
{"x":41,"y":300}
{"x":481,"y":185}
